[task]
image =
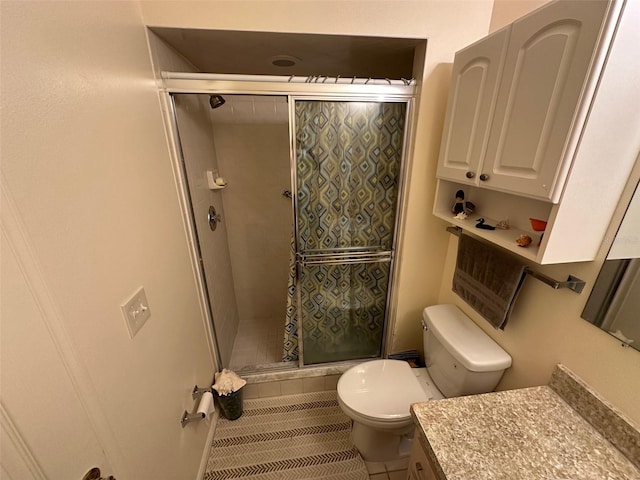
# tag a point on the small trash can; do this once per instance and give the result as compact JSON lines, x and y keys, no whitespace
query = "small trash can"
{"x":230,"y":405}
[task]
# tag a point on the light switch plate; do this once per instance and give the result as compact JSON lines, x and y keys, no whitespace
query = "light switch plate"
{"x":136,"y":311}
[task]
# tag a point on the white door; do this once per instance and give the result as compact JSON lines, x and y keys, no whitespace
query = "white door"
{"x":474,"y":84}
{"x":46,"y":430}
{"x":547,"y":61}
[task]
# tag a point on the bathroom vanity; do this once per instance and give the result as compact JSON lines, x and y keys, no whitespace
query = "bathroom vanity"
{"x":563,"y":430}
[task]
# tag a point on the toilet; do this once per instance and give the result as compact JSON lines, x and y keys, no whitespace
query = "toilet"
{"x":461,"y":360}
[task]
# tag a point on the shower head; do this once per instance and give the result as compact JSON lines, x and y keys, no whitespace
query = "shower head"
{"x":216,"y":101}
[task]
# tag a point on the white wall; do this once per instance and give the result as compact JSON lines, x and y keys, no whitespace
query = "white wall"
{"x":34,"y":369}
{"x":546,"y":329}
{"x":506,"y":11}
{"x":254,"y":159}
{"x":86,"y":164}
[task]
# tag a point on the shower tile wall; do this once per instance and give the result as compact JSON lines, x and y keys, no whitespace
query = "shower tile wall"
{"x":199,"y":152}
{"x":254,"y":158}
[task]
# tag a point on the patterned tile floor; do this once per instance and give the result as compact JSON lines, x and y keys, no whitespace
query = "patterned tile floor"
{"x":303,"y":436}
{"x":392,"y":471}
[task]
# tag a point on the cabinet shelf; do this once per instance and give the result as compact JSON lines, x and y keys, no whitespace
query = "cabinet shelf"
{"x":503,"y":238}
{"x":494,"y":207}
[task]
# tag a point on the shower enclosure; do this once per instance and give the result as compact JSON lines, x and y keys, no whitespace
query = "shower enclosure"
{"x":346,"y":157}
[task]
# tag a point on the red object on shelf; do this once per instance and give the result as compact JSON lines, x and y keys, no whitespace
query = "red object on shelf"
{"x":538,"y":225}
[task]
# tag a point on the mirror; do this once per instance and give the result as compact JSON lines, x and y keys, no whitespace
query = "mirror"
{"x":614,"y":302}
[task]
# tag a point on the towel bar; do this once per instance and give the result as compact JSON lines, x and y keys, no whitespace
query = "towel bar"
{"x":572,"y":283}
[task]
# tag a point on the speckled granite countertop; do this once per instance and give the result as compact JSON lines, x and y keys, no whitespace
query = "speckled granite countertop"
{"x":525,"y":434}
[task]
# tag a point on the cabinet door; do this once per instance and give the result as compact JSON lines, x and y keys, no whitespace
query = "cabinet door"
{"x":419,"y":464}
{"x":474,"y":84}
{"x":546,"y":66}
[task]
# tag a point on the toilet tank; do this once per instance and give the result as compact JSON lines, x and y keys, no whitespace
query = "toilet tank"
{"x":461,"y":359}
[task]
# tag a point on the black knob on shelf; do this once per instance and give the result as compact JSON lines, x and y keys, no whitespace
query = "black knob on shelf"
{"x":484,"y":177}
{"x":470,"y":174}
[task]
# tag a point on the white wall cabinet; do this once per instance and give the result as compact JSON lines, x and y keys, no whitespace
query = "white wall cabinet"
{"x":546,"y":68}
{"x":514,"y":98}
{"x":551,"y":135}
{"x":472,"y":96}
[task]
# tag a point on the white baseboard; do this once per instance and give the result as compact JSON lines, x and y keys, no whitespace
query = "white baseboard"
{"x":207,"y":447}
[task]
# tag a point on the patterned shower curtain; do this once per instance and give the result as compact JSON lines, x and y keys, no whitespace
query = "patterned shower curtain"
{"x":348,"y":158}
{"x":290,"y":352}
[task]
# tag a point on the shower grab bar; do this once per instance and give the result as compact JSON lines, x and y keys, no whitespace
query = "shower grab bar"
{"x":345,"y":261}
{"x":344,"y":258}
{"x":572,"y":283}
{"x":322,"y":251}
{"x":346,"y":254}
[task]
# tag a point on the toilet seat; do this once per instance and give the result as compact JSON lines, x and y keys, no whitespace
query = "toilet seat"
{"x":380,"y":391}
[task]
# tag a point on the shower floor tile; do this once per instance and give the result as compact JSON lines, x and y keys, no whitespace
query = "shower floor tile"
{"x":258,"y":341}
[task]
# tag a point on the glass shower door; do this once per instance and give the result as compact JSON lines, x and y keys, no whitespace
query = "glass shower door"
{"x":348,"y":163}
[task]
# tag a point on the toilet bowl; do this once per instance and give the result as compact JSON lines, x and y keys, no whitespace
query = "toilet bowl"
{"x":376,"y":395}
{"x":461,"y":360}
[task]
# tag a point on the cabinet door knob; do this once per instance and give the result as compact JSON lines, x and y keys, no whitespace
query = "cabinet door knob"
{"x":470,"y":174}
{"x":484,"y":177}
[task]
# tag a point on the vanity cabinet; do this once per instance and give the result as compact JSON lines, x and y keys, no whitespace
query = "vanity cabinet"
{"x":563,"y":430}
{"x":419,"y":464}
{"x":539,"y":124}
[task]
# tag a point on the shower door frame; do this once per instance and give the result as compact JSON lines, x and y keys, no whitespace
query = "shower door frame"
{"x":391,"y":298}
{"x":180,"y":83}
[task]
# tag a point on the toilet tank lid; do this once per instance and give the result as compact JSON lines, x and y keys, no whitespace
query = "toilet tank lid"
{"x":466,"y":342}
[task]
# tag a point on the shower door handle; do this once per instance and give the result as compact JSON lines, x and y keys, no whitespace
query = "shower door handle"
{"x":345,"y":258}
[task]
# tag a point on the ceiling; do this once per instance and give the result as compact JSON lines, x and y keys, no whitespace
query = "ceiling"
{"x":253,"y":53}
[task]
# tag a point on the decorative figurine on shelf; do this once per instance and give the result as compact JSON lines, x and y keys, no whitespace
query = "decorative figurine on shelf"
{"x":503,"y":224}
{"x":538,"y":226}
{"x":523,"y":240}
{"x":462,"y":206}
{"x":483,"y":225}
{"x":461,"y":216}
